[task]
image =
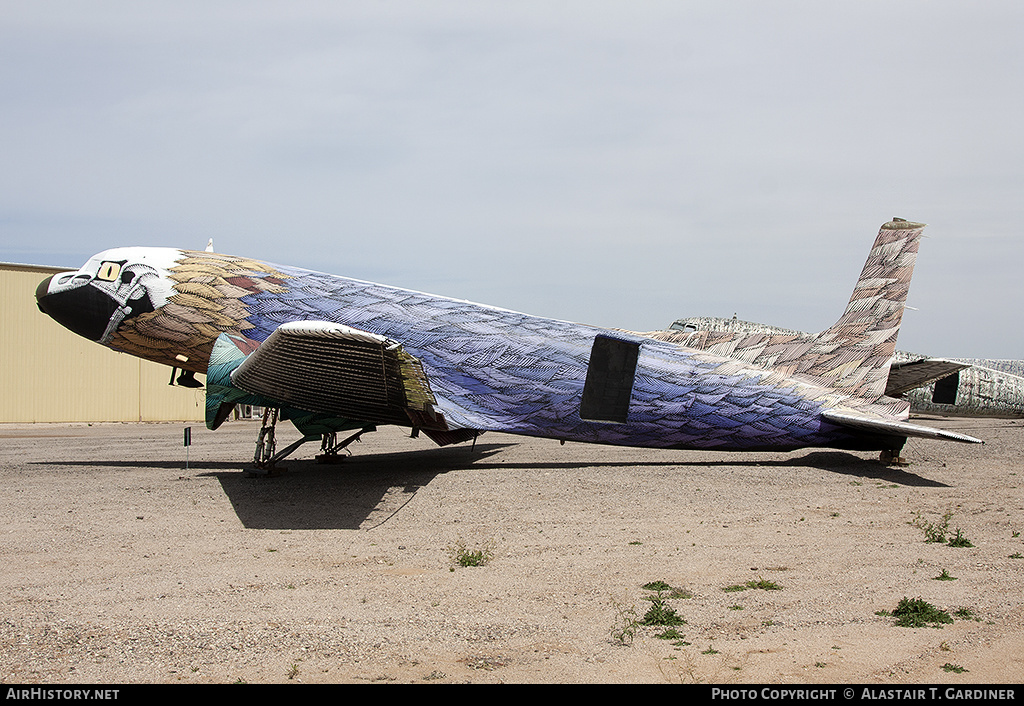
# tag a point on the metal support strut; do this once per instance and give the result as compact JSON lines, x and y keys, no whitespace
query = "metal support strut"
{"x":266,"y":442}
{"x":331,"y":448}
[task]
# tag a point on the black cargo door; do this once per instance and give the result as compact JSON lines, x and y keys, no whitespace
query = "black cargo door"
{"x":609,"y":384}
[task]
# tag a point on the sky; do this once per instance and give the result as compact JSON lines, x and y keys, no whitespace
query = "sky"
{"x":622,"y":164}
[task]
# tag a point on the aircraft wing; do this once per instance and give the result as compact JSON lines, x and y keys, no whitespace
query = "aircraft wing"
{"x":341,"y":371}
{"x":911,"y":374}
{"x":859,"y":420}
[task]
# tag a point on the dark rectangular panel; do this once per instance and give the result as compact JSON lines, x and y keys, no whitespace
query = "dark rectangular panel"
{"x":946,"y":389}
{"x":609,"y":384}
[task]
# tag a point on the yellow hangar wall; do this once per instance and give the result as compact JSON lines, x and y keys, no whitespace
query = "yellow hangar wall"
{"x":48,"y":374}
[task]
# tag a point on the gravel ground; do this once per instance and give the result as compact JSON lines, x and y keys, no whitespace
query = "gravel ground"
{"x":122,"y":564}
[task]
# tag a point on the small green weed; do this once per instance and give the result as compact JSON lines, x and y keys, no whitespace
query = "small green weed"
{"x":933,"y":532}
{"x":944,"y":576}
{"x":959,"y":540}
{"x":966,"y":614}
{"x":656,"y":586}
{"x":764,"y":585}
{"x":626,"y":624}
{"x":464,"y":556}
{"x":939,"y":532}
{"x":918,"y":613}
{"x":669,"y":634}
{"x":665,"y":590}
{"x":661,"y":613}
{"x":956,"y":668}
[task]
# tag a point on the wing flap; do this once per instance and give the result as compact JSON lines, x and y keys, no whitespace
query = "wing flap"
{"x":338,"y":370}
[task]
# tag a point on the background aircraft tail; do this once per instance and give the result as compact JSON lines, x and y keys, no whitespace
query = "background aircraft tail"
{"x":854,"y":354}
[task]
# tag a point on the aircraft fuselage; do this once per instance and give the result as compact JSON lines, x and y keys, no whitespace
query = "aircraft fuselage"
{"x":488,"y":368}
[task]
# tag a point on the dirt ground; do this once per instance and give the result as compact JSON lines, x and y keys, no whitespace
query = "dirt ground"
{"x":126,"y":562}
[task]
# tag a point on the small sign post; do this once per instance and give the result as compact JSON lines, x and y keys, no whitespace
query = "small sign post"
{"x":188,"y":442}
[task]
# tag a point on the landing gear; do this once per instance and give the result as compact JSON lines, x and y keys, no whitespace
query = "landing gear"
{"x":266,"y":458}
{"x":892,"y":458}
{"x":330,"y":447}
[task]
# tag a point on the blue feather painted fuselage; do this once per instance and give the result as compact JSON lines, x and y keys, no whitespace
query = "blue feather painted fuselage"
{"x":488,"y":369}
{"x":497,"y":370}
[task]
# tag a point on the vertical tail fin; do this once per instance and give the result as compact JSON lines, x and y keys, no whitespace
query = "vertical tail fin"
{"x":853,"y":355}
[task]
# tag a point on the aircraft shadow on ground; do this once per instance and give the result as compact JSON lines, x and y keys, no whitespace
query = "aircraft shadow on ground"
{"x":360,"y":492}
{"x":365,"y":491}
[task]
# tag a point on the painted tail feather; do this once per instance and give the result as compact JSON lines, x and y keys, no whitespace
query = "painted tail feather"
{"x":854,"y":354}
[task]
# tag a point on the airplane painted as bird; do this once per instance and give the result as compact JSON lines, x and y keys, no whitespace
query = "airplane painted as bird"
{"x":335,"y":354}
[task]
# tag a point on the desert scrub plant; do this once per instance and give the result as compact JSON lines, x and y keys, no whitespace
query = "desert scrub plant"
{"x":462,"y":555}
{"x":669,"y":634}
{"x":966,"y":614}
{"x":666,"y":591}
{"x":944,"y":576}
{"x":660,"y":613}
{"x":933,"y":532}
{"x":939,"y":532}
{"x":959,"y":540}
{"x":918,"y":613}
{"x":626,"y":624}
{"x":760,"y":583}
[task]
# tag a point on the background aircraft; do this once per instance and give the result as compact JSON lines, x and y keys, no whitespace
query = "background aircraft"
{"x":953,"y":387}
{"x":336,"y":354}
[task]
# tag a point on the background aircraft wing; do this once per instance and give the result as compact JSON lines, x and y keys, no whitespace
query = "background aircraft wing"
{"x":911,"y":374}
{"x":341,"y":371}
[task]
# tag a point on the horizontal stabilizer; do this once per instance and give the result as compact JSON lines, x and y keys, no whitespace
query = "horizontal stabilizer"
{"x":338,"y":370}
{"x":912,"y":374}
{"x":893,"y":427}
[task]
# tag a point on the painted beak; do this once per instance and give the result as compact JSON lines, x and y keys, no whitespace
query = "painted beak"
{"x":76,"y":304}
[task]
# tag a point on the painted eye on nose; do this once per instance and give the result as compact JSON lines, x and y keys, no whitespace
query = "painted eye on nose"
{"x":109,"y":271}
